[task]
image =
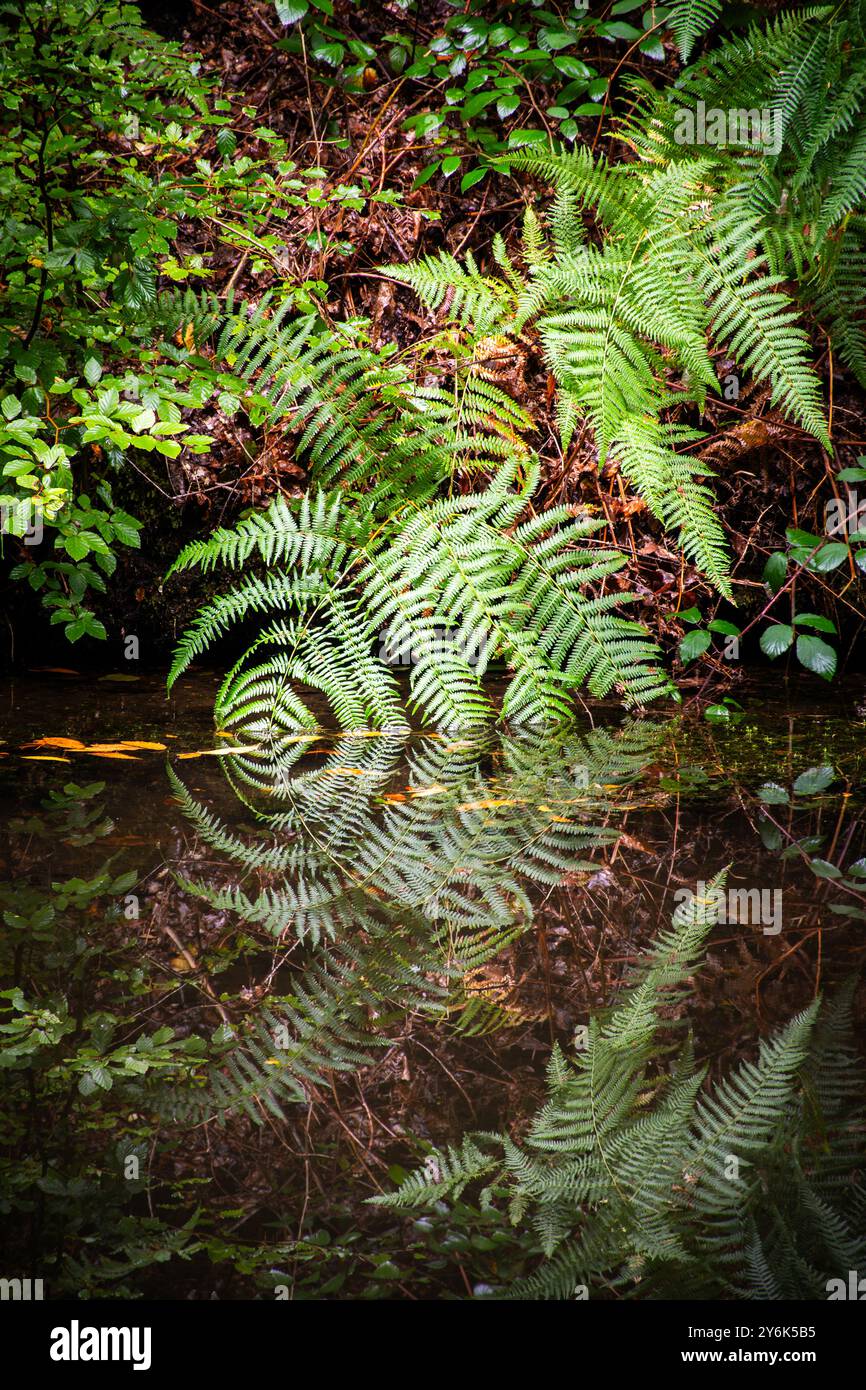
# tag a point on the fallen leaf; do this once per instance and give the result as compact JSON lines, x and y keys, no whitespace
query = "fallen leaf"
{"x":54,"y":743}
{"x":98,"y":753}
{"x":221,"y":752}
{"x":631,"y":842}
{"x":486,"y":805}
{"x":123,"y":747}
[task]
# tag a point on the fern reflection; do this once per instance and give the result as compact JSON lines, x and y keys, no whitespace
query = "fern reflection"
{"x":389,"y":873}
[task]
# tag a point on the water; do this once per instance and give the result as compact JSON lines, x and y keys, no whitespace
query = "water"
{"x":267,"y":976}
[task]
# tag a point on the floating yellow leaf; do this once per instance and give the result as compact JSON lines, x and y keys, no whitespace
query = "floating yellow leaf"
{"x":486,"y":805}
{"x":54,"y":743}
{"x":123,"y":747}
{"x":109,"y":753}
{"x":42,"y":758}
{"x":221,"y":752}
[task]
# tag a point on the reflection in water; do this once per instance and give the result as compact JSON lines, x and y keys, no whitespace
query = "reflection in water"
{"x":237,"y":943}
{"x":406,"y":867}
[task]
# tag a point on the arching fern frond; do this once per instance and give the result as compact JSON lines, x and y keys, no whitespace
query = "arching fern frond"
{"x":639,"y":1178}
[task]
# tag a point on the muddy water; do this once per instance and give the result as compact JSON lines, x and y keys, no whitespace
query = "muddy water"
{"x":406,"y":923}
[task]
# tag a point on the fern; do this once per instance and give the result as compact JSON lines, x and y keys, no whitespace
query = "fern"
{"x":639,"y":1179}
{"x":690,"y":19}
{"x":667,"y":274}
{"x":447,"y":576}
{"x":393,"y":904}
{"x":356,"y":419}
{"x":807,"y":72}
{"x":697,"y":246}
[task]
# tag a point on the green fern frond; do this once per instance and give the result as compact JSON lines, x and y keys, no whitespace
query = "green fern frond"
{"x":690,"y":20}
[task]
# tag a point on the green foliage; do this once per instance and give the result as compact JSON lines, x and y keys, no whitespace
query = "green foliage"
{"x":455,"y":577}
{"x":511,"y":79}
{"x":472,"y":574}
{"x":82,"y":86}
{"x":637,"y":1180}
{"x":359,"y":422}
{"x":673,"y":268}
{"x":792,"y":170}
{"x":113,"y":144}
{"x":690,"y":19}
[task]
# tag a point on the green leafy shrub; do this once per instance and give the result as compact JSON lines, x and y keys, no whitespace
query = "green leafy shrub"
{"x":113,"y":140}
{"x":511,"y":78}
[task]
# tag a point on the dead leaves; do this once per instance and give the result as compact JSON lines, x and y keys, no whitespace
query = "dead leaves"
{"x":54,"y":743}
{"x":124,"y":750}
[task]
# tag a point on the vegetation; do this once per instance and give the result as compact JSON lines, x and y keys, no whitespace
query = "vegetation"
{"x":637,"y":1182}
{"x":451,"y":377}
{"x":128,"y":174}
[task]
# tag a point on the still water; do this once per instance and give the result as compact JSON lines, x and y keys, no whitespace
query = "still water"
{"x":258,"y":979}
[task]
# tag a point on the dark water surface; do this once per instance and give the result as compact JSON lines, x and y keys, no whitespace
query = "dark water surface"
{"x":373,"y":942}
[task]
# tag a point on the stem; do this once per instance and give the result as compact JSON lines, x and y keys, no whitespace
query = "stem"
{"x":49,"y":231}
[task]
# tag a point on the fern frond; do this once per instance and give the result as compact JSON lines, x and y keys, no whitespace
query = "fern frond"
{"x":690,"y":20}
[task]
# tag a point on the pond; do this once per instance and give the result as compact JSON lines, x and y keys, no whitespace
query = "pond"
{"x":250,"y":985}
